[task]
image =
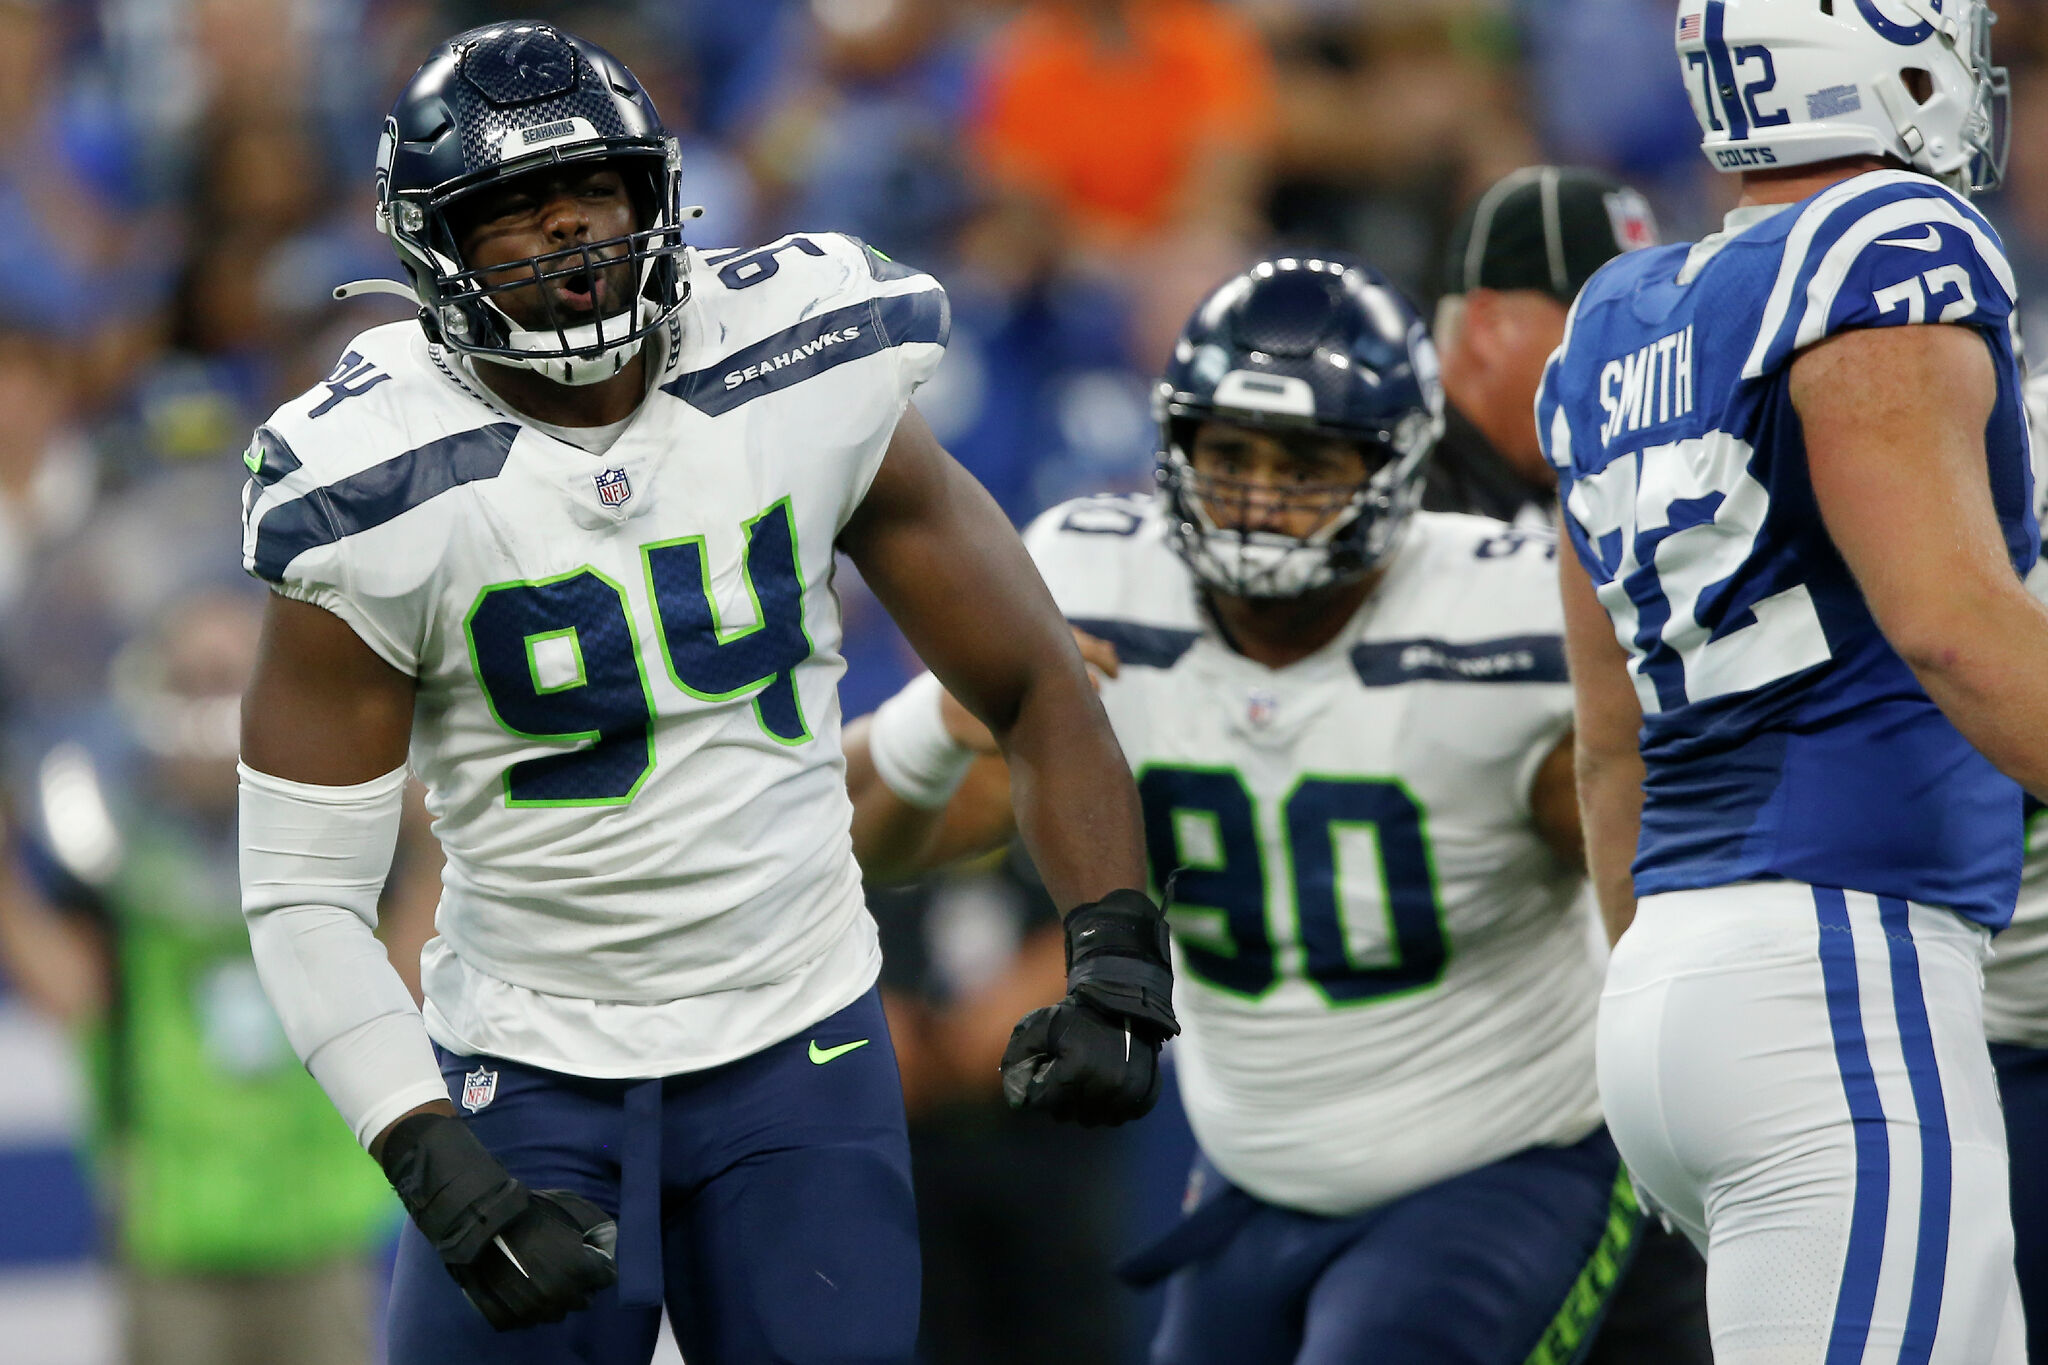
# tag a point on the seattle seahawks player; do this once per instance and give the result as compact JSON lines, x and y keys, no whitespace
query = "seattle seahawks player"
{"x":1350,"y":725}
{"x":1794,"y":472}
{"x":2016,"y":999}
{"x":570,"y":538}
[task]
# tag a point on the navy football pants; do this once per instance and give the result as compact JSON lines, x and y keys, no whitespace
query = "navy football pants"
{"x":1511,"y":1263}
{"x":767,"y":1202}
{"x":2023,"y":1094}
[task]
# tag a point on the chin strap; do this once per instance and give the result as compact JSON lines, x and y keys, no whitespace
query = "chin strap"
{"x":356,"y":289}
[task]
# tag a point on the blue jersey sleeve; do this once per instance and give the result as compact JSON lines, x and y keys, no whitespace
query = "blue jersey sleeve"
{"x":1901,"y":251}
{"x":1553,"y":425}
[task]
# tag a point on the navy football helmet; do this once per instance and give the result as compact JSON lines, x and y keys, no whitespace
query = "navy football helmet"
{"x":1311,"y":345}
{"x":497,"y":102}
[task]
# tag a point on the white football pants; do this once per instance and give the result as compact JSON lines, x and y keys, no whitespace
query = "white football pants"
{"x":1798,"y":1078}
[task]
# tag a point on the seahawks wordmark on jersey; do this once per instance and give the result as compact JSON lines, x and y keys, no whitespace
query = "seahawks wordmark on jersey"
{"x":1384,"y":977}
{"x":1783,"y":737}
{"x":628,"y":718}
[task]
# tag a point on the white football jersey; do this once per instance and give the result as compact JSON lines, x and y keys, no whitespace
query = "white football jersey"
{"x":2016,"y":977}
{"x":1383,"y":975}
{"x":628,"y":717}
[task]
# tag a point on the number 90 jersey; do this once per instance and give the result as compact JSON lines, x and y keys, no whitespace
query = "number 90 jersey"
{"x":1384,"y":977}
{"x":628,"y":718}
{"x":1782,"y":735}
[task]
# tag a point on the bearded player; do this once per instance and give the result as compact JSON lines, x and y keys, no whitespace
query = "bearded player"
{"x":1350,"y":726}
{"x":567,"y":539}
{"x":1793,"y":464}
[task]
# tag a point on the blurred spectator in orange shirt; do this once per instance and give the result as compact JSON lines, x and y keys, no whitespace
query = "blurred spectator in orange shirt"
{"x":1130,"y":118}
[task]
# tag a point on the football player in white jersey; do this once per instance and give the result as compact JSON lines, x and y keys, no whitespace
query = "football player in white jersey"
{"x":1350,"y":726}
{"x":569,"y":537}
{"x":1793,"y":466}
{"x":2016,"y":999}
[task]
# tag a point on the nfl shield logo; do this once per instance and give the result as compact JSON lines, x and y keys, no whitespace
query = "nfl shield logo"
{"x":1261,"y":707}
{"x":612,"y":488}
{"x":479,"y":1088}
{"x":1628,"y":213}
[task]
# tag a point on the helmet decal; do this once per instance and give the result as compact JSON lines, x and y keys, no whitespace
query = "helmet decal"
{"x":1774,"y":83}
{"x":1905,"y":35}
{"x":519,"y":63}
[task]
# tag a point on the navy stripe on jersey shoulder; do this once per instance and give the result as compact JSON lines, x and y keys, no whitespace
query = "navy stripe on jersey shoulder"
{"x":1138,"y":645}
{"x":269,"y":458}
{"x":1511,"y":658}
{"x":378,"y":494}
{"x":812,"y":347}
{"x":923,"y":316}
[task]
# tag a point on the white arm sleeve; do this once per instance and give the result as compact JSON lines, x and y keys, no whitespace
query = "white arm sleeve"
{"x":314,"y":860}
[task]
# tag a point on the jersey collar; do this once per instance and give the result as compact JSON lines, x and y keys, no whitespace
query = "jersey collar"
{"x":1738,"y":221}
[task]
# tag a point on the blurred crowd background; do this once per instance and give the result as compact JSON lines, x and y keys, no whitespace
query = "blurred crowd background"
{"x":183,"y":182}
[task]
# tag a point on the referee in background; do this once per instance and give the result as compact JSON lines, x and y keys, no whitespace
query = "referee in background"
{"x":1515,"y":262}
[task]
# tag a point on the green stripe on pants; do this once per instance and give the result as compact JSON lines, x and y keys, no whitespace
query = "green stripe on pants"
{"x":1586,"y":1300}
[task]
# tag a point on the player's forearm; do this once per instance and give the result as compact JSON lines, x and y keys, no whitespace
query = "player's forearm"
{"x":1979,"y":657}
{"x":1607,"y":760}
{"x":314,"y":859}
{"x":1611,"y":813}
{"x":1071,"y":789}
{"x":57,"y":962}
{"x":893,"y":840}
{"x":923,"y":797}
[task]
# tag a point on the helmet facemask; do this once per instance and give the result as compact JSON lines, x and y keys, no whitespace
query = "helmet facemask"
{"x":647,"y":267}
{"x":1217,"y":518}
{"x":1988,"y":126}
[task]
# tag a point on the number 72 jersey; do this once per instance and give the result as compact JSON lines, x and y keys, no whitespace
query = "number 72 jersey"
{"x":1782,"y":735}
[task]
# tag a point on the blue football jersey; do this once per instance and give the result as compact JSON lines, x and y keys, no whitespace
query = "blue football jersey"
{"x":1782,"y":735}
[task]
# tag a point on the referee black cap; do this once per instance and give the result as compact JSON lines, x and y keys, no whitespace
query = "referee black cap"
{"x":1546,"y":228}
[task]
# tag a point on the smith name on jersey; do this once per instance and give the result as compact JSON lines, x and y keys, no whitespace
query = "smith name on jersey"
{"x":1782,"y":735}
{"x":1384,"y":976}
{"x":628,"y":718}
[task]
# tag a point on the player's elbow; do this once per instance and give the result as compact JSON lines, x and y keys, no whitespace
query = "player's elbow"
{"x":1601,"y":769}
{"x":1051,"y":691}
{"x":1958,"y":634}
{"x":1932,"y":650}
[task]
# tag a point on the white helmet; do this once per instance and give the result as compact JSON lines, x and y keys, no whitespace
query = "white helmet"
{"x":1788,"y":82}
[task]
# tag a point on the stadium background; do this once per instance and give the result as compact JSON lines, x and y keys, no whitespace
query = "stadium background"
{"x":183,"y":181}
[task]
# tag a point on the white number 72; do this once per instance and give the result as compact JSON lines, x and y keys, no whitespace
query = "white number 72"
{"x":1939,"y":280}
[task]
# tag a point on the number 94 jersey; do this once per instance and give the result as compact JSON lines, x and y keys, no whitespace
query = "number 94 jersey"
{"x":1384,"y":976}
{"x":1782,"y":736}
{"x":628,"y":662}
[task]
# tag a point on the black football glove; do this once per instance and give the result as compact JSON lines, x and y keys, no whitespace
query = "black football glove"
{"x":1094,"y":1057}
{"x":522,"y":1256}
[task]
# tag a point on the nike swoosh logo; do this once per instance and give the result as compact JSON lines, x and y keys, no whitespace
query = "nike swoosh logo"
{"x":822,"y":1055}
{"x":1931,"y":242}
